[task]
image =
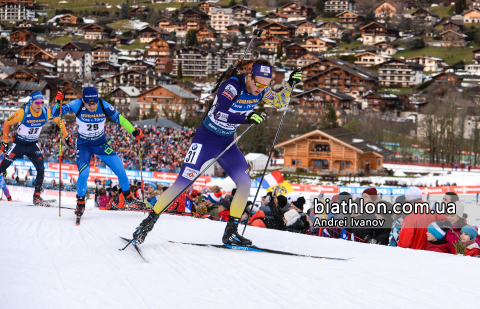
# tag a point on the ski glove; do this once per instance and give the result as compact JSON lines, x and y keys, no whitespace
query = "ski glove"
{"x":60,"y":96}
{"x":137,"y":133}
{"x":4,"y":174}
{"x":4,"y":147}
{"x":255,"y":118}
{"x":69,"y":141}
{"x":295,"y":77}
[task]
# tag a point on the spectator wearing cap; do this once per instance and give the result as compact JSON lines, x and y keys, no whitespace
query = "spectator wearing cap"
{"x":292,"y":221}
{"x":413,"y":232}
{"x":458,"y":222}
{"x":381,"y":233}
{"x":468,"y":234}
{"x":398,"y":218}
{"x":436,"y":232}
{"x":224,"y":210}
{"x":369,"y":195}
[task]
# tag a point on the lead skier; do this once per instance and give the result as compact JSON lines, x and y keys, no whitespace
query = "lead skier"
{"x":234,"y":103}
{"x":91,"y":113}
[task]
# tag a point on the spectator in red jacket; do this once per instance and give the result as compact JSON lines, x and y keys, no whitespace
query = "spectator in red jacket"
{"x":468,"y":235}
{"x":436,"y":232}
{"x":413,"y":233}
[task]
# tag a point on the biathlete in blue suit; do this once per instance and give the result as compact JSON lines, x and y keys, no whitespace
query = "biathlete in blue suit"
{"x":92,"y":113}
{"x":234,"y":105}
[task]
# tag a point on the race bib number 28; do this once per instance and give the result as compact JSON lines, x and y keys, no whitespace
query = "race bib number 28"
{"x":193,"y":153}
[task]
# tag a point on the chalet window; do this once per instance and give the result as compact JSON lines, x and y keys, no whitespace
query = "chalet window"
{"x":298,"y":162}
{"x":293,"y":161}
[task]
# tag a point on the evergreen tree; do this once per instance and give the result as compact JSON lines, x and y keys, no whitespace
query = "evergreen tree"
{"x":235,"y":41}
{"x":4,"y":44}
{"x":279,"y":51}
{"x":319,"y":7}
{"x":172,"y":36}
{"x":191,"y":38}
{"x":460,"y":6}
{"x":124,"y":10}
{"x":151,"y":113}
{"x":232,"y":3}
{"x":330,"y":117}
{"x":220,"y":44}
{"x":180,"y":71}
{"x":245,"y":2}
{"x":370,"y":17}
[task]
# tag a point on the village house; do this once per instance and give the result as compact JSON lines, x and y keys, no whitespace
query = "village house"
{"x":73,"y":64}
{"x":260,"y":23}
{"x":148,"y":34}
{"x":375,"y":32}
{"x":106,"y":68}
{"x":77,"y":46}
{"x":27,"y":75}
{"x":190,"y":87}
{"x":119,"y":40}
{"x":196,"y":14}
{"x":70,"y":19}
{"x":455,"y":25}
{"x":277,"y":17}
{"x":142,"y":80}
{"x":15,"y":11}
{"x":159,"y":47}
{"x":27,"y":52}
{"x":95,"y":32}
{"x":138,"y":64}
{"x":471,"y":16}
{"x":139,"y":10}
{"x":198,"y":62}
{"x":8,"y":57}
{"x":27,"y":24}
{"x":233,"y":30}
{"x":243,"y":14}
{"x":399,"y":73}
{"x":348,"y":81}
{"x":206,"y":7}
{"x":272,"y":42}
{"x":44,"y":57}
{"x":314,"y":68}
{"x":164,"y":65}
{"x":337,"y":6}
{"x":331,"y":30}
{"x":100,"y":54}
{"x":72,"y":93}
{"x":296,"y":11}
{"x":333,"y":151}
{"x":369,"y":59}
{"x":450,"y":38}
{"x":207,"y":34}
{"x":306,"y":27}
{"x":233,"y":53}
{"x":307,"y":58}
{"x":221,"y":18}
{"x":312,"y":104}
{"x":22,"y":37}
{"x":476,"y":4}
{"x":474,"y":68}
{"x":431,"y":64}
{"x":385,"y":9}
{"x":315,"y":44}
{"x":285,"y":30}
{"x":381,"y":102}
{"x":169,"y":101}
{"x":386,"y":48}
{"x":125,"y":100}
{"x":425,"y":17}
{"x":293,"y":51}
{"x":350,"y":20}
{"x":448,"y":78}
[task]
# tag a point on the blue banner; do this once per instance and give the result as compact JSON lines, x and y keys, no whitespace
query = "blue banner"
{"x":383,"y":191}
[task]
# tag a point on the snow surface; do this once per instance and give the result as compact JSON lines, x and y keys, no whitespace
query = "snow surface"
{"x":48,"y":262}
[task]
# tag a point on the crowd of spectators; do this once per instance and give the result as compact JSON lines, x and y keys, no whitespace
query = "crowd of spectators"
{"x":162,"y":148}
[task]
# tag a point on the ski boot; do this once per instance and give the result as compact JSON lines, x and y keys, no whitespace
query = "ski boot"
{"x":9,"y":198}
{"x":37,"y":200}
{"x":80,"y":206}
{"x":231,"y":236}
{"x":131,"y":202}
{"x":145,"y":227}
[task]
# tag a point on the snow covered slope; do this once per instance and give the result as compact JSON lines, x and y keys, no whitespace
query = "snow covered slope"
{"x":48,"y":262}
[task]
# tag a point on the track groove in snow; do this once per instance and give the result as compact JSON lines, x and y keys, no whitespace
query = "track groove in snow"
{"x":48,"y":262}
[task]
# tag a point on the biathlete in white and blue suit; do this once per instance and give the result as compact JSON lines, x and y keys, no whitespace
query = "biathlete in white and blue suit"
{"x":234,"y":105}
{"x":92,"y":113}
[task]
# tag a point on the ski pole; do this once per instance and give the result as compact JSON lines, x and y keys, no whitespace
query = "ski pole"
{"x":192,"y":182}
{"x":60,"y":163}
{"x":270,"y":155}
{"x":141,"y":174}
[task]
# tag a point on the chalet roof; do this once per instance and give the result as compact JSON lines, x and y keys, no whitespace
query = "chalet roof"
{"x":74,"y":54}
{"x":425,"y":10}
{"x":388,"y":43}
{"x":301,"y":4}
{"x":414,"y":64}
{"x":189,"y":85}
{"x":468,"y":11}
{"x":242,"y":6}
{"x":277,"y":14}
{"x":164,"y":60}
{"x":163,"y":122}
{"x":455,"y":32}
{"x":304,"y":21}
{"x":83,"y":46}
{"x":210,"y":29}
{"x":381,"y":25}
{"x":383,"y":2}
{"x":288,"y":25}
{"x":130,"y":91}
{"x":372,"y":53}
{"x":156,"y":29}
{"x":29,"y":86}
{"x":112,"y":50}
{"x":332,"y":92}
{"x":8,"y":70}
{"x":180,"y":92}
{"x":345,"y":137}
{"x":262,"y":50}
{"x":101,"y":26}
{"x":107,"y":62}
{"x":351,"y":12}
{"x":339,"y":26}
{"x":280,"y":38}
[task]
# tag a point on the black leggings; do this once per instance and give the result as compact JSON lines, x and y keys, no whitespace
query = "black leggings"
{"x":31,"y":150}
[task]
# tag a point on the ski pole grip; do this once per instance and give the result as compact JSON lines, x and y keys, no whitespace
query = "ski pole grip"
{"x":257,"y":32}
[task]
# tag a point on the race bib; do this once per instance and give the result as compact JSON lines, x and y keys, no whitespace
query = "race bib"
{"x":193,"y":153}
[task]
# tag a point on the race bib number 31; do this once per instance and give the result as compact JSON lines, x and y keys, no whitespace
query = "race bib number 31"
{"x":193,"y":153}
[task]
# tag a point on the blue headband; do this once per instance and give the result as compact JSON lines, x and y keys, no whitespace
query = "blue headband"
{"x":35,"y":96}
{"x":262,"y":70}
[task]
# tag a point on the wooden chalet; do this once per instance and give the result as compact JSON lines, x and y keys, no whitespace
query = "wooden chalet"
{"x":27,"y":75}
{"x":159,"y":47}
{"x":164,"y":65}
{"x":386,"y":48}
{"x":27,"y":52}
{"x":425,"y":17}
{"x":193,"y":24}
{"x":455,"y":25}
{"x":307,"y":58}
{"x":119,"y":40}
{"x":314,"y":68}
{"x":261,"y":23}
{"x":333,"y":151}
{"x":77,"y":46}
{"x":285,"y":30}
{"x":70,"y":19}
{"x":382,"y":101}
{"x":369,"y":59}
{"x":337,"y":6}
{"x":206,"y":7}
{"x":143,"y":80}
{"x":140,"y":65}
{"x":233,"y":30}
{"x":101,"y":53}
{"x":207,"y":34}
{"x":375,"y":32}
{"x":350,"y":20}
{"x":72,"y":93}
{"x":471,"y":16}
{"x":22,"y":37}
{"x":312,"y":104}
{"x":8,"y":57}
{"x":331,"y":30}
{"x":400,"y":73}
{"x":139,"y":10}
{"x":190,"y":87}
{"x":194,"y":14}
{"x":315,"y":44}
{"x":272,"y":42}
{"x":293,"y":51}
{"x":95,"y":32}
{"x":149,"y":34}
{"x":385,"y":9}
{"x":296,"y":11}
{"x":306,"y":26}
{"x":106,"y":68}
{"x":448,"y":78}
{"x":277,"y":17}
{"x":44,"y":57}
